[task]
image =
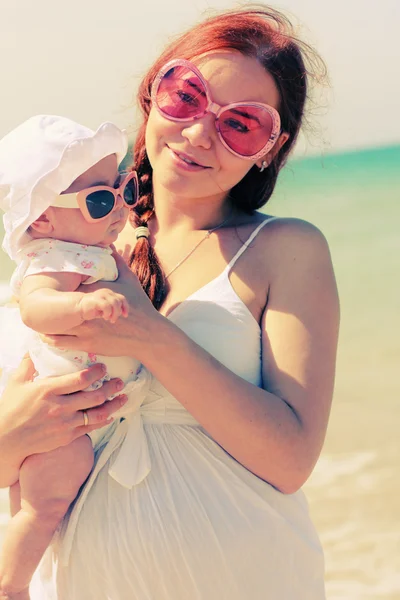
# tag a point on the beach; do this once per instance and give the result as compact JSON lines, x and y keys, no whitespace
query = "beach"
{"x":354,"y":198}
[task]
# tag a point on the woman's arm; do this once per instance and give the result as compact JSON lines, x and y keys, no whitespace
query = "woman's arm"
{"x":49,"y":303}
{"x":276,"y":432}
{"x":41,"y":415}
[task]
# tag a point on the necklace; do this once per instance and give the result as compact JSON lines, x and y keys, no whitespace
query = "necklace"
{"x":209,"y":232}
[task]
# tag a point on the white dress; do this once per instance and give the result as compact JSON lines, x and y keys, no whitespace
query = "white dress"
{"x":199,"y":525}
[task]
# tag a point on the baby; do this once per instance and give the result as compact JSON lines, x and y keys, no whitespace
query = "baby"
{"x":64,"y":204}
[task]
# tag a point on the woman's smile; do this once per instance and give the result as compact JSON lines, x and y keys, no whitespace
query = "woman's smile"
{"x":186,"y":162}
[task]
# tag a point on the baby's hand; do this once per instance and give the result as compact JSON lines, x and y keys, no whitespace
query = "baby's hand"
{"x":103,"y":304}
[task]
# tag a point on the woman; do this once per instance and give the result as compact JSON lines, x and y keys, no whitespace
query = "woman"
{"x":240,"y":339}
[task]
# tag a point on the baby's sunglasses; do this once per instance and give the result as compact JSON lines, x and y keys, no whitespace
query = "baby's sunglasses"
{"x":96,"y":202}
{"x":247,"y":129}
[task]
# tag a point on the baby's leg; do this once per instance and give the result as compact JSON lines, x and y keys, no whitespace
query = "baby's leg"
{"x":15,"y":505}
{"x":48,"y":484}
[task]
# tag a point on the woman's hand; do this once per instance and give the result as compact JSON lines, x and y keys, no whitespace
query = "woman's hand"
{"x":41,"y":415}
{"x":130,"y":336}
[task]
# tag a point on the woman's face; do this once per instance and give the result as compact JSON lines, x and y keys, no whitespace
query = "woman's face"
{"x":232,"y":77}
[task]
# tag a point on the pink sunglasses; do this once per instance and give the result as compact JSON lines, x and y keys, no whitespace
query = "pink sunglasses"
{"x":96,"y":202}
{"x":247,"y":129}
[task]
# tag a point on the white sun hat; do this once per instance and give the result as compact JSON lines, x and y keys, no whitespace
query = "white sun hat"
{"x":39,"y":160}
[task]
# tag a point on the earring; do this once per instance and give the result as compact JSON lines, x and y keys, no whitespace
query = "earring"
{"x":264,"y":165}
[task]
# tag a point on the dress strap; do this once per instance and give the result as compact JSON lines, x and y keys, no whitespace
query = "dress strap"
{"x":248,"y":242}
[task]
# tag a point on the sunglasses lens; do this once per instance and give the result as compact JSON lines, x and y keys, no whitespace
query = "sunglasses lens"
{"x":100,"y":203}
{"x":181,"y":94}
{"x":246,"y":129}
{"x":130,"y":192}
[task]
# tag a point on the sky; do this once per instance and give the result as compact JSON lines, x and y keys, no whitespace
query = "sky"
{"x":84,"y":58}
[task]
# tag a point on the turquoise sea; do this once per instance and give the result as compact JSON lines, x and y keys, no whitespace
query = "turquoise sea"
{"x":354,"y":198}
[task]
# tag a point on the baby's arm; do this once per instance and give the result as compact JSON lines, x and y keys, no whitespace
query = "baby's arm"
{"x":49,"y":302}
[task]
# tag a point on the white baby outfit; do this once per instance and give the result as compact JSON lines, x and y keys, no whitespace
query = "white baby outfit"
{"x":93,"y":262}
{"x":49,"y":255}
{"x":199,"y":526}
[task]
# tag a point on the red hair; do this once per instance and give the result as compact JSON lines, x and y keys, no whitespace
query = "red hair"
{"x":265,"y":35}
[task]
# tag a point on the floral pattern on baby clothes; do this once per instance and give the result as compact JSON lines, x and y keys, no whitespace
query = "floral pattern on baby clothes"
{"x":57,"y":256}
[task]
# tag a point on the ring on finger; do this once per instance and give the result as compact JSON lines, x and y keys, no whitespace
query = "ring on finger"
{"x":85,"y":418}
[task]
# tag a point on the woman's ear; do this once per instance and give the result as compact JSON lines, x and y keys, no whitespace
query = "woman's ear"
{"x":268,"y":158}
{"x":43,"y":224}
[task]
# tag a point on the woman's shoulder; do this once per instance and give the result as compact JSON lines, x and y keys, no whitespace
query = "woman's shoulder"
{"x":290,"y":242}
{"x":289,"y":231}
{"x":283,"y":232}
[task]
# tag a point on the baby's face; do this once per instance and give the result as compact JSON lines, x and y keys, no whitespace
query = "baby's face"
{"x":70,"y":225}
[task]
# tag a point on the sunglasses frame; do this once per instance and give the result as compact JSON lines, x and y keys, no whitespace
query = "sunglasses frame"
{"x":78,"y":199}
{"x":216,"y":109}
